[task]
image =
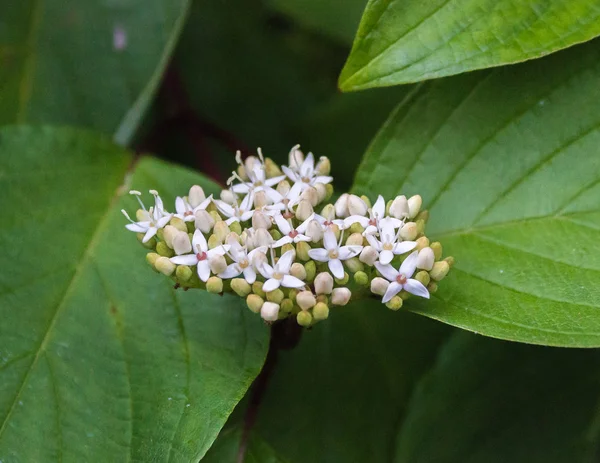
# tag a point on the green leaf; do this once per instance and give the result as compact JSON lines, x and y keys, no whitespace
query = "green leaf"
{"x":100,"y":358}
{"x":487,"y":401}
{"x":411,"y":40}
{"x":507,"y":163}
{"x":87,"y":63}
{"x":340,"y":395}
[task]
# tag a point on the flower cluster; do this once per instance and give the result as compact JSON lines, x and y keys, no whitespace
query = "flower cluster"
{"x":264,"y":241}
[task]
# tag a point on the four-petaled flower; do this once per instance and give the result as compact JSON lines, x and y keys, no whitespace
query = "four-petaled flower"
{"x":186,"y":212}
{"x":152,"y":219}
{"x":291,"y":234}
{"x":387,"y":244}
{"x":243,"y":261}
{"x":334,"y":254}
{"x":279,"y":274}
{"x":305,"y":173}
{"x":236,"y":213}
{"x":258,"y":181}
{"x":401,"y":279}
{"x":376,"y":219}
{"x":202,"y":255}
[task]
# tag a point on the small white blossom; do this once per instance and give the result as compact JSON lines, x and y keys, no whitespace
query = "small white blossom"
{"x":153,"y":218}
{"x":258,"y":180}
{"x":202,"y":256}
{"x":235,"y":212}
{"x":186,"y":212}
{"x":401,"y":279}
{"x":387,"y":244}
{"x":376,"y":219}
{"x":304,"y":173}
{"x":243,"y":261}
{"x":291,"y":234}
{"x":328,"y":218}
{"x":334,"y":254}
{"x":279,"y":274}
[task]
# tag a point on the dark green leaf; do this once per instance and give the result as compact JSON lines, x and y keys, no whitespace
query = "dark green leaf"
{"x":100,"y":358}
{"x":86,"y":63}
{"x":411,"y":40}
{"x":507,"y":161}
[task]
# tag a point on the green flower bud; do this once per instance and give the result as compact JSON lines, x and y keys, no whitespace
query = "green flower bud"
{"x":178,"y":224}
{"x":357,"y":228}
{"x":287,"y":247}
{"x":287,"y":306}
{"x":423,"y":277}
{"x":366,"y":200}
{"x":387,"y":206}
{"x":214,"y":285}
{"x":164,"y":250}
{"x":272,"y":169}
{"x":355,"y":239}
{"x":450,"y":261}
{"x":311,"y":270}
{"x":424,"y":215}
{"x":404,"y":295}
{"x":321,"y":192}
{"x":422,"y":242}
{"x":323,"y":167}
{"x":292,"y":293}
{"x":275,"y":234}
{"x":216,"y":217}
{"x":437,"y":249}
{"x":320,"y":311}
{"x":241,"y":287}
{"x":361,"y":278}
{"x":432,"y":287}
{"x":141,"y":215}
{"x":354,"y":265}
{"x":221,"y":230}
{"x":236,"y":228}
{"x":394,"y":303}
{"x":257,"y":289}
{"x":440,"y":270}
{"x":306,"y":300}
{"x":323,"y":298}
{"x":151,"y":258}
{"x":150,"y":244}
{"x":275,"y":296}
{"x":328,"y":211}
{"x":183,"y":273}
{"x":298,"y":271}
{"x":302,"y":249}
{"x":242,"y":173}
{"x":420,"y":227}
{"x":191,"y":228}
{"x":164,"y":266}
{"x":254,"y":302}
{"x":214,"y":241}
{"x":343,"y":281}
{"x":329,"y":189}
{"x":304,"y":318}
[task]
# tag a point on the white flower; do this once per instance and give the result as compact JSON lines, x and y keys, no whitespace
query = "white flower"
{"x":153,"y":219}
{"x":376,"y":219}
{"x":202,"y":256}
{"x":291,"y":234}
{"x":328,"y":218}
{"x":186,"y":212}
{"x":279,"y":273}
{"x":304,"y":173}
{"x":334,"y":254}
{"x":401,"y":279}
{"x":236,"y":213}
{"x":258,"y":180}
{"x":387,"y":244}
{"x":243,"y":261}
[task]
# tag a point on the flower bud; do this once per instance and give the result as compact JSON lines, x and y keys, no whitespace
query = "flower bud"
{"x":423,"y":215}
{"x":236,"y":229}
{"x":150,"y":244}
{"x":196,"y":196}
{"x":292,"y":293}
{"x":437,"y":249}
{"x":414,"y":205}
{"x":343,"y":280}
{"x":368,"y":255}
{"x":298,"y":271}
{"x":261,"y":220}
{"x":323,"y":167}
{"x":169,"y":234}
{"x":311,"y":270}
{"x":409,"y":231}
{"x":254,"y":302}
{"x":356,"y":206}
{"x":311,"y":195}
{"x":221,"y":230}
{"x":340,"y":296}
{"x":183,"y":273}
{"x":450,"y":261}
{"x":275,"y":296}
{"x":355,"y":239}
{"x":361,"y":278}
{"x":259,"y":258}
{"x":178,"y":224}
{"x":425,"y":259}
{"x":164,"y":265}
{"x":354,"y":265}
{"x":422,"y":242}
{"x":420,"y":227}
{"x":440,"y":270}
{"x":287,"y":306}
{"x":304,"y":318}
{"x":228,"y":196}
{"x":272,"y":169}
{"x":329,"y":189}
{"x":241,"y":171}
{"x":399,"y":207}
{"x":217,"y":264}
{"x":275,"y":234}
{"x":260,"y":199}
{"x":394,"y":303}
{"x":295,"y":158}
{"x":322,"y":298}
{"x":215,"y":216}
{"x":257,"y":289}
{"x":142,"y":216}
{"x":328,"y":211}
{"x":379,"y":286}
{"x":283,"y":187}
{"x":341,"y":206}
{"x":214,"y":242}
{"x":356,"y":228}
{"x":423,"y":277}
{"x":321,"y":191}
{"x":164,"y":250}
{"x":324,"y":283}
{"x":182,"y":244}
{"x":204,"y":221}
{"x":288,"y":247}
{"x":305,"y":300}
{"x":262,"y":238}
{"x":302,"y":249}
{"x":314,"y":231}
{"x":151,"y":258}
{"x":304,"y":210}
{"x":241,"y":287}
{"x":320,"y":311}
{"x":269,"y":311}
{"x":214,"y":285}
{"x":432,"y":287}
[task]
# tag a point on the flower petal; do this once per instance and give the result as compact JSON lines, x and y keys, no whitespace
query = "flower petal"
{"x":282,"y":241}
{"x":324,"y":179}
{"x":218,"y":251}
{"x":308,"y":166}
{"x":265,"y":270}
{"x":346,"y":252}
{"x":364,"y":221}
{"x":283,"y":225}
{"x":374,"y":242}
{"x":270,"y":285}
{"x":188,"y":259}
{"x":388,"y":272}
{"x":378,"y":208}
{"x":299,"y":238}
{"x":246,"y":204}
{"x":393,"y":289}
{"x":274,"y":180}
{"x":304,"y":225}
{"x":199,"y":242}
{"x":240,"y":188}
{"x":404,"y":246}
{"x":409,"y":265}
{"x":250,"y":275}
{"x":385,"y":257}
{"x":203,"y":270}
{"x":285,"y":261}
{"x":180,"y":205}
{"x":416,"y":287}
{"x":138,"y":227}
{"x":225,"y":208}
{"x":319,"y":254}
{"x":290,"y":281}
{"x":329,"y":240}
{"x":231,"y":271}
{"x":149,"y":234}
{"x":290,"y":173}
{"x":160,"y":223}
{"x":337,"y":268}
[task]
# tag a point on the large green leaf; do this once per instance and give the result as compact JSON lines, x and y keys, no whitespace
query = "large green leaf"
{"x":488,"y":401}
{"x":88,"y":63}
{"x":507,"y":161}
{"x":101,"y":359}
{"x":412,"y":40}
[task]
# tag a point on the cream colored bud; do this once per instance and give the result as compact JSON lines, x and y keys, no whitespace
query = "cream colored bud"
{"x":340,"y":296}
{"x":183,"y":273}
{"x":432,"y":287}
{"x":399,"y":207}
{"x":302,"y":249}
{"x":260,"y":199}
{"x":440,"y":270}
{"x":341,"y":206}
{"x":272,"y":169}
{"x":214,"y":285}
{"x":250,"y":163}
{"x":178,"y":224}
{"x":311,"y":195}
{"x":298,"y":271}
{"x":354,"y":265}
{"x":283,"y":187}
{"x":323,"y":167}
{"x":422,"y":242}
{"x":295,"y":158}
{"x":169,"y":233}
{"x":236,"y":228}
{"x":437,"y":249}
{"x":356,"y":206}
{"x":304,"y":318}
{"x":328,"y":211}
{"x":215,"y":215}
{"x":261,"y":220}
{"x":181,"y":243}
{"x":288,"y":247}
{"x":262,"y":238}
{"x":321,"y":191}
{"x":355,"y":239}
{"x":394,"y":303}
{"x":423,"y":277}
{"x":257,"y":289}
{"x":269,"y":311}
{"x":379,"y":286}
{"x":214,"y":242}
{"x":254,"y":302}
{"x":164,"y":265}
{"x":241,"y":287}
{"x":275,"y":296}
{"x":164,"y":250}
{"x":228,"y":196}
{"x":311,"y":270}
{"x":305,"y":300}
{"x":141,"y":215}
{"x":320,"y":311}
{"x":323,"y":283}
{"x":221,"y":230}
{"x":304,"y":210}
{"x":450,"y":261}
{"x":241,"y":170}
{"x":152,"y":257}
{"x":196,"y":196}
{"x":218,"y":264}
{"x":204,"y":221}
{"x":409,"y":231}
{"x":414,"y":205}
{"x":314,"y":231}
{"x":368,"y":255}
{"x":425,"y":259}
